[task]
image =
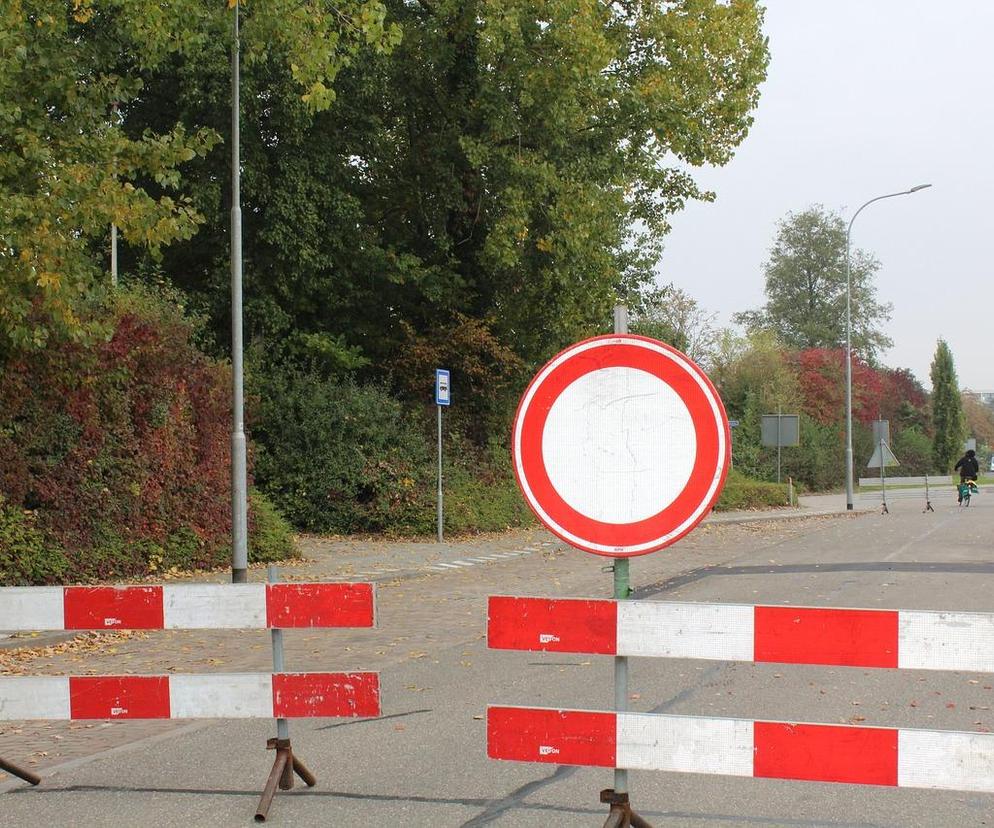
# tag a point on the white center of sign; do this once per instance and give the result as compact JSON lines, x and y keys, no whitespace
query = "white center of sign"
{"x":619,"y":445}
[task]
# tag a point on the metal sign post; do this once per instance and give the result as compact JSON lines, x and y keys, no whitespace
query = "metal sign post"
{"x":286,"y":763}
{"x":883,"y":457}
{"x":780,"y":430}
{"x":443,"y":397}
{"x":622,"y":587}
{"x":600,"y":472}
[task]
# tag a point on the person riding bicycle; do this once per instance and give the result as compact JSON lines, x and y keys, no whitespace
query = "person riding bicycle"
{"x":968,"y":469}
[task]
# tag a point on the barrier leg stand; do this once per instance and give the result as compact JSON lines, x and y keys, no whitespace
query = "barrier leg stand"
{"x":621,"y":814}
{"x":286,"y":764}
{"x":19,"y":772}
{"x":275,"y":778}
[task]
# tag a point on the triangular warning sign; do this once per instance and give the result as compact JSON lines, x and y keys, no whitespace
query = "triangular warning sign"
{"x":888,"y":457}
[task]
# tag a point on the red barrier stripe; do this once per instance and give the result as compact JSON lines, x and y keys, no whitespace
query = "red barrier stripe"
{"x":307,"y":695}
{"x":805,"y":635}
{"x":557,"y":626}
{"x":825,"y":753}
{"x":319,"y":605}
{"x":562,"y":737}
{"x":119,"y":697}
{"x":108,"y":608}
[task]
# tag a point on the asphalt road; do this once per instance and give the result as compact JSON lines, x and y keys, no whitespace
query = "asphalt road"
{"x":424,"y":762}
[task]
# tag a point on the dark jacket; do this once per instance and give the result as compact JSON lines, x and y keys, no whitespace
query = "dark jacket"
{"x":968,"y":467}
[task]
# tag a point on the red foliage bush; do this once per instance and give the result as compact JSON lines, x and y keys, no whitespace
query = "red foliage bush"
{"x":120,"y":446}
{"x":821,"y":373}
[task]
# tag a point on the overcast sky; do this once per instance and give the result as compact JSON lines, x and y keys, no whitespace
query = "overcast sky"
{"x":866,"y":97}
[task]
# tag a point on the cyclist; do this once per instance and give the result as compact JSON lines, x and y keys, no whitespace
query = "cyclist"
{"x":968,"y":469}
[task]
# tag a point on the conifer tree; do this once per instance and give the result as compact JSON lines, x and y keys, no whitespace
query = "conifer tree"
{"x":947,"y":409}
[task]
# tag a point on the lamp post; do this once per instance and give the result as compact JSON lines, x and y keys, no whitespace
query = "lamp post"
{"x":239,"y":483}
{"x":849,"y":462}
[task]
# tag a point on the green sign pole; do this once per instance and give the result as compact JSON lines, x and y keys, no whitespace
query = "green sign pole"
{"x":621,"y":591}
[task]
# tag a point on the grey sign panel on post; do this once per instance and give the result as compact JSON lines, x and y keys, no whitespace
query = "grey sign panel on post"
{"x":780,"y":430}
{"x":971,"y":443}
{"x":881,"y":431}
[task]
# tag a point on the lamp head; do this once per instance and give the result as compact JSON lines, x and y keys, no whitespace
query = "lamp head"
{"x":918,"y":187}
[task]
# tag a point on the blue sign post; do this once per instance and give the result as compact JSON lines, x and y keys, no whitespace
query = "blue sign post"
{"x":443,"y":397}
{"x":443,"y":394}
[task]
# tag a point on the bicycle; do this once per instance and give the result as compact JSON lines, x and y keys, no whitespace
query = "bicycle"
{"x":965,"y":489}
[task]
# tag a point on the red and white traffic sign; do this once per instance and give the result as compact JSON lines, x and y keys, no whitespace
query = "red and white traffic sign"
{"x":620,"y":445}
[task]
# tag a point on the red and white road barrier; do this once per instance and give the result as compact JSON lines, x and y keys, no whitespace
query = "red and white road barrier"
{"x":741,"y":747}
{"x":208,"y":696}
{"x":905,"y":639}
{"x":274,"y":695}
{"x":187,"y":606}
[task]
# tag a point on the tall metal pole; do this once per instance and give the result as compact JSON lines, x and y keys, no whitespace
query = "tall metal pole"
{"x":113,"y":226}
{"x":779,"y":439}
{"x":849,"y":457}
{"x":621,"y":591}
{"x":849,"y":492}
{"x":239,"y":477}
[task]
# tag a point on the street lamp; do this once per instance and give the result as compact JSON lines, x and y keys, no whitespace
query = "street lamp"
{"x":239,"y":477}
{"x":849,"y":463}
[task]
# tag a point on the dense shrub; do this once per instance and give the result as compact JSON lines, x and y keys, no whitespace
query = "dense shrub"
{"x":762,"y":377}
{"x":743,"y":492}
{"x":119,"y":447}
{"x":270,"y":536}
{"x":819,"y":461}
{"x":481,"y":493}
{"x":914,"y":451}
{"x":336,"y":456}
{"x":25,"y":556}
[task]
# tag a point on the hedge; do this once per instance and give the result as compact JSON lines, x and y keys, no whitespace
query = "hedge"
{"x":114,"y":452}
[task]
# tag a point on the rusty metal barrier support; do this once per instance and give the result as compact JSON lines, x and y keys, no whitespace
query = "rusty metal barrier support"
{"x":285,"y":764}
{"x":26,"y":775}
{"x":281,"y":776}
{"x":621,"y":814}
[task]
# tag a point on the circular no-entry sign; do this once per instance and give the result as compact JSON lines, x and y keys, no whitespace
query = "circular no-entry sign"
{"x":620,"y":445}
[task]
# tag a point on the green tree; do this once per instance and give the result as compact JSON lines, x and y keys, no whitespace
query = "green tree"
{"x":947,"y":409}
{"x":979,"y":418}
{"x":806,"y":288}
{"x":67,"y":167}
{"x":511,"y":162}
{"x":758,"y":366}
{"x":671,"y":315}
{"x":754,"y":377}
